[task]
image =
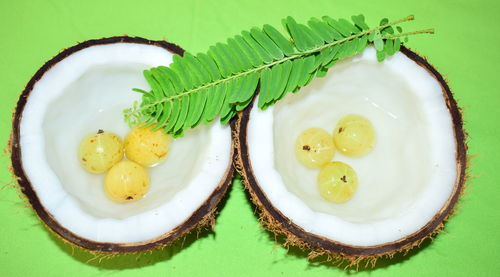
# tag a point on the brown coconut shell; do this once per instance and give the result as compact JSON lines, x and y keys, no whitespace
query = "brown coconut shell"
{"x":203,"y":216}
{"x":275,"y":221}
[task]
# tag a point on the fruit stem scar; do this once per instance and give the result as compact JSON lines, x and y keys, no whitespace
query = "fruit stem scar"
{"x":306,"y":147}
{"x":100,"y":131}
{"x":343,"y":179}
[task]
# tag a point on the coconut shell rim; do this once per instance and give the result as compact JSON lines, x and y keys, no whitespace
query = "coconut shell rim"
{"x":278,"y":223}
{"x":202,"y":216}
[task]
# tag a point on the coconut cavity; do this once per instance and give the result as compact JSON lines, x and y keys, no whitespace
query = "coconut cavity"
{"x":84,"y":89}
{"x":390,"y":177}
{"x":405,"y":181}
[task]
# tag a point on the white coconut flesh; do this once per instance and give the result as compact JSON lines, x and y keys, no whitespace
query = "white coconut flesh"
{"x":85,"y":92}
{"x":403,"y":182}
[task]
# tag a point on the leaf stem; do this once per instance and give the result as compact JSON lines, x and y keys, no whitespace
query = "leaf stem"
{"x":426,"y":31}
{"x":294,"y":56}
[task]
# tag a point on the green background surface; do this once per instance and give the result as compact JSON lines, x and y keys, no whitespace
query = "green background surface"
{"x":464,"y":49}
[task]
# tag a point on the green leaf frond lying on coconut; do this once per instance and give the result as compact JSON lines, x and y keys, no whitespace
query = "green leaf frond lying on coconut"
{"x":196,"y":89}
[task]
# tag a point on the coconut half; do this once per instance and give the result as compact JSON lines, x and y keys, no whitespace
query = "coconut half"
{"x":408,"y":184}
{"x":81,"y":90}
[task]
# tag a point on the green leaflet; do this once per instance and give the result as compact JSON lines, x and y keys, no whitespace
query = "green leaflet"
{"x":266,"y":43}
{"x":198,"y":88}
{"x":246,"y":90}
{"x":279,"y":91}
{"x":284,"y":44}
{"x":293,"y":79}
{"x":265,"y":90}
{"x":216,"y":99}
{"x":243,"y":60}
{"x":209,"y":66}
{"x":359,"y":20}
{"x":378,"y":42}
{"x":256,"y":48}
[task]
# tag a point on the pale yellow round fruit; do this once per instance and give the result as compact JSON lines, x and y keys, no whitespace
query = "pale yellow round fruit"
{"x":314,"y":147}
{"x":337,"y":182}
{"x":126,"y":182}
{"x":99,"y":152}
{"x":354,"y":135}
{"x":147,"y":147}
